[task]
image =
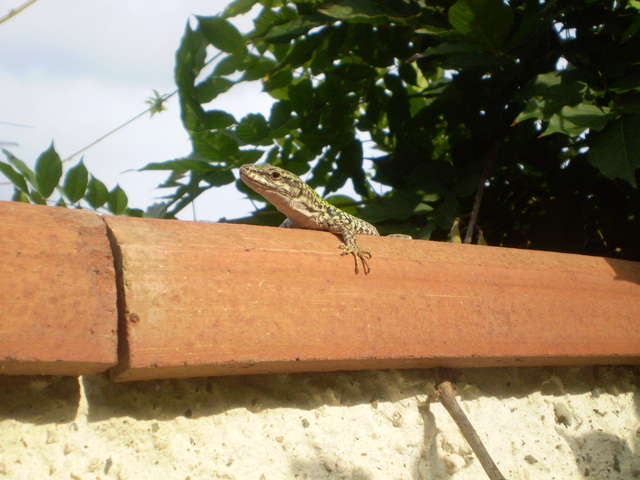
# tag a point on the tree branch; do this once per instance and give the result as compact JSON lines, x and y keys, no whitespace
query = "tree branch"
{"x":491,"y":156}
{"x":448,"y":400}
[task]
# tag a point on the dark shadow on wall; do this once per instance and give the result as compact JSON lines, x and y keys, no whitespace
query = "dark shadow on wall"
{"x":39,"y":399}
{"x":323,"y":467}
{"x":429,"y":464}
{"x":203,"y":397}
{"x":625,"y":270}
{"x":603,"y":455}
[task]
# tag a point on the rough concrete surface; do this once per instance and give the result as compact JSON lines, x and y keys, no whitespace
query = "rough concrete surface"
{"x":537,"y":423}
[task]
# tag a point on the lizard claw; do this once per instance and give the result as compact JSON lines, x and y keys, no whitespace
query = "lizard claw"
{"x":363,"y":255}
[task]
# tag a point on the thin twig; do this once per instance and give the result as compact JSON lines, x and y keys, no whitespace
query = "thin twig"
{"x":95,"y":142}
{"x":448,"y":400}
{"x":491,"y":156}
{"x":13,"y":12}
{"x":164,"y":99}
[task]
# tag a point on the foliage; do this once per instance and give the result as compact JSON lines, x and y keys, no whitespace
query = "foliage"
{"x":78,"y":189}
{"x":156,"y":103}
{"x":516,"y":120}
{"x":455,"y":102}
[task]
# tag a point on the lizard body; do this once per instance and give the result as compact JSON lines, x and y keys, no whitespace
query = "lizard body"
{"x":304,"y":208}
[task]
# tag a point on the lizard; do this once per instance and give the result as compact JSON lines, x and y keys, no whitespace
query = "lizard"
{"x":305,"y":208}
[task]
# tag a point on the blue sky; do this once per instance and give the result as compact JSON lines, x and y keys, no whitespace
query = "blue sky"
{"x":74,"y":70}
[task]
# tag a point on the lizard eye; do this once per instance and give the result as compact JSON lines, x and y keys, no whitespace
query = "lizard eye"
{"x":275,"y":175}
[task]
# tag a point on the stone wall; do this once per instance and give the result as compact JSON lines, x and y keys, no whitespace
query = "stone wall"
{"x":537,"y":423}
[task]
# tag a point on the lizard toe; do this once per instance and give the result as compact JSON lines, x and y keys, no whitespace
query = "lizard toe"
{"x":363,"y":255}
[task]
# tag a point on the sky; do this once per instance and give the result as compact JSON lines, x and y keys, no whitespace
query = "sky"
{"x":72,"y":71}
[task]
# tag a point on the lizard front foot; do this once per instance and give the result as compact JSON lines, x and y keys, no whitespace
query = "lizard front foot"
{"x":363,"y":255}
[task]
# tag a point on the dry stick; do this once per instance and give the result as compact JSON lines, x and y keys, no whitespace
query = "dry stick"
{"x":448,"y":400}
{"x":491,"y":156}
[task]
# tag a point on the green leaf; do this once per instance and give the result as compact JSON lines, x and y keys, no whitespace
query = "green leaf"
{"x":185,"y":195}
{"x":247,"y":156}
{"x":238,"y":7}
{"x":75,"y":182}
{"x":20,"y":196}
{"x":212,"y":87}
{"x":48,"y":171}
{"x":37,"y":198}
{"x":182,"y":165}
{"x":157,"y":210}
{"x":354,"y":72}
{"x":408,"y":74}
{"x":398,"y":205}
{"x":190,"y":58}
{"x":224,"y":144}
{"x":215,"y":146}
{"x":229,"y":64}
{"x":253,"y":129}
{"x":281,"y":79}
{"x":549,"y":93}
{"x":366,"y":11}
{"x":218,"y":119}
{"x":22,"y":167}
{"x":616,"y":150}
{"x":335,"y":182}
{"x":97,"y":193}
{"x":486,"y":22}
{"x":460,"y":55}
{"x":15,"y":178}
{"x":280,"y":114}
{"x":268,"y":17}
{"x":134,"y":212}
{"x":292,"y":29}
{"x":257,"y":69}
{"x":447,"y":212}
{"x":221,"y":34}
{"x":630,"y":104}
{"x":349,"y":162}
{"x":117,"y":200}
{"x":304,"y":49}
{"x":301,"y":95}
{"x":573,"y":121}
{"x":626,"y":83}
{"x":219,"y":176}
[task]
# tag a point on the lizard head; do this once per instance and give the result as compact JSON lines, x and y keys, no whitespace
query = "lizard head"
{"x":273,"y":183}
